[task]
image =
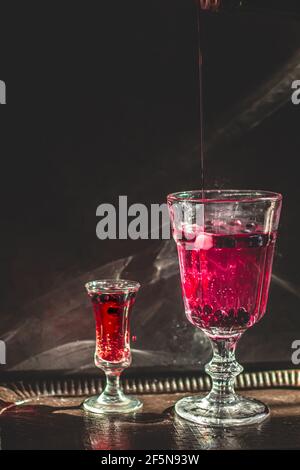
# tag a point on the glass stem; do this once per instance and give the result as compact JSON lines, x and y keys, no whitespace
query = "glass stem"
{"x":223,"y":369}
{"x":112,"y":390}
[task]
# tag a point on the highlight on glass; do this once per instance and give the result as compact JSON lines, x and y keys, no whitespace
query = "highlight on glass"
{"x":112,"y":302}
{"x":225,"y":242}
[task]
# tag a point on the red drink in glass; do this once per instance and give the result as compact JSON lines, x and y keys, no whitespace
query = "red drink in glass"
{"x":112,"y":326}
{"x":226,"y":277}
{"x":112,"y":301}
{"x":225,"y":241}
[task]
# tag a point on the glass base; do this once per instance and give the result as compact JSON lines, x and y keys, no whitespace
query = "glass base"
{"x":97,"y":405}
{"x":239,"y":412}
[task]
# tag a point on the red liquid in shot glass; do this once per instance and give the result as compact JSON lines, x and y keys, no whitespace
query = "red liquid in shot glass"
{"x":112,"y":326}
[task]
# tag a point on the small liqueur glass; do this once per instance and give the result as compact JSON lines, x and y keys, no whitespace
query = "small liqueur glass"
{"x":112,"y":302}
{"x":225,"y":242}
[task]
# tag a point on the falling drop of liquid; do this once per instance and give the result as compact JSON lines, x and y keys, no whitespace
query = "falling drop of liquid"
{"x":199,"y":6}
{"x":202,"y":5}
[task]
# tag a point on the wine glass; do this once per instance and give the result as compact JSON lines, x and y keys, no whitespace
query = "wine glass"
{"x":225,"y":242}
{"x":112,"y":302}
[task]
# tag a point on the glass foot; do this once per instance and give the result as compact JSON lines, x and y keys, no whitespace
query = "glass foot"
{"x":97,"y":405}
{"x":239,"y":412}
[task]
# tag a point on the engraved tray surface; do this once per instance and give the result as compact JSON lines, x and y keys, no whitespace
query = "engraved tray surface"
{"x":46,"y":413}
{"x":178,"y":383}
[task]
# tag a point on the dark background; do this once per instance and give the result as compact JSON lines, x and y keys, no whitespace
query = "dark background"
{"x":102,"y":101}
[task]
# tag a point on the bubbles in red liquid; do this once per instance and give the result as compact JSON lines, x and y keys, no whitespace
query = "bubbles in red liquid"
{"x":225,"y":284}
{"x":112,"y":325}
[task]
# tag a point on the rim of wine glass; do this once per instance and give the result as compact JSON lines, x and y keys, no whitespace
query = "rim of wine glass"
{"x":244,"y":196}
{"x":111,"y":286}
